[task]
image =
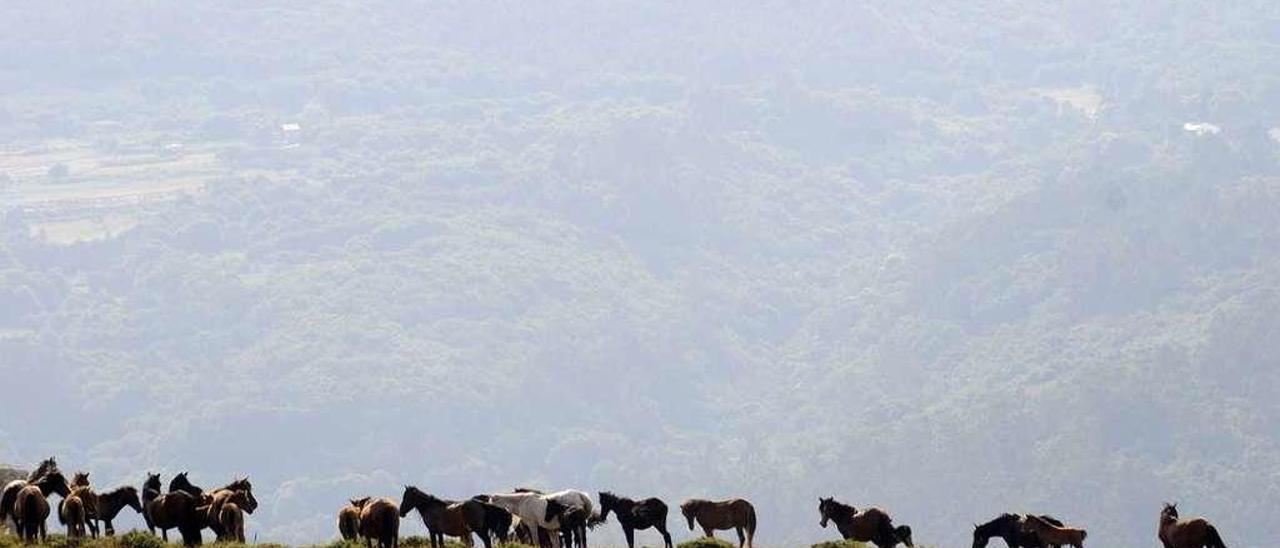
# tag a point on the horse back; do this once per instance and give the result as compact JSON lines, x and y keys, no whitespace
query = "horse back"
{"x":31,"y":504}
{"x":10,"y":496}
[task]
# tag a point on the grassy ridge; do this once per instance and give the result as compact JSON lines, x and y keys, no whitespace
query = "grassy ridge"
{"x":142,"y":539}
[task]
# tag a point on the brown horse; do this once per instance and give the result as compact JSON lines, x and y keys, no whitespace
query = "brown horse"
{"x":177,"y":509}
{"x":736,"y":514}
{"x":380,"y":519}
{"x":868,"y":525}
{"x":231,"y":516}
{"x":349,"y":519}
{"x":1186,"y":533}
{"x":1053,"y":534}
{"x":444,"y":517}
{"x":31,"y":505}
{"x":216,"y":498}
{"x":88,"y":503}
{"x":72,"y":512}
{"x":10,"y":493}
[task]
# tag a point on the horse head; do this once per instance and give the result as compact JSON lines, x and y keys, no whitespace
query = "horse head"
{"x":152,"y":482}
{"x":690,"y":510}
{"x":129,"y":494}
{"x":80,"y":479}
{"x":554,"y":510}
{"x":53,"y":482}
{"x":903,"y":533}
{"x":607,"y":502}
{"x":822,"y":510}
{"x":1170,"y":512}
{"x":408,"y":501}
{"x":243,"y":484}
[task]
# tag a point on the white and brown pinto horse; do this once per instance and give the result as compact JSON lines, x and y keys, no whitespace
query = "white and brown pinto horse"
{"x":534,"y":510}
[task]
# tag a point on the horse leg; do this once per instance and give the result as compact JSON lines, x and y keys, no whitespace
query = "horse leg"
{"x":708,"y":532}
{"x":742,"y":538}
{"x":666,"y":537}
{"x":631,"y":537}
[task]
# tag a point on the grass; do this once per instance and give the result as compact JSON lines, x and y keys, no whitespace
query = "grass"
{"x":142,"y":539}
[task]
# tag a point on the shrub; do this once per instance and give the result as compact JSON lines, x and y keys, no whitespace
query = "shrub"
{"x":706,"y":542}
{"x":841,"y":544}
{"x":139,"y":539}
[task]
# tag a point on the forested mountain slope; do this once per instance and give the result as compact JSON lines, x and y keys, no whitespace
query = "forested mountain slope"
{"x":951,"y":258}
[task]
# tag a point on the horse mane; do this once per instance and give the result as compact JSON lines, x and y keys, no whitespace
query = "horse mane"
{"x":241,"y":484}
{"x":118,"y":490}
{"x":47,"y":466}
{"x":528,"y":490}
{"x":1040,"y":521}
{"x":840,"y":507}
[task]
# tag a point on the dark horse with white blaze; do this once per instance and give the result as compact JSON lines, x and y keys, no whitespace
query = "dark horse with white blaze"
{"x":867,"y":525}
{"x":636,"y":515}
{"x":1009,"y":528}
{"x":1186,"y":533}
{"x":736,"y":514}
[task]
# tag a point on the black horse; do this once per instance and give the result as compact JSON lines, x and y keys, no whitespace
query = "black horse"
{"x":181,"y":483}
{"x":636,"y":515}
{"x":574,"y":523}
{"x":496,"y":520}
{"x":1009,"y":528}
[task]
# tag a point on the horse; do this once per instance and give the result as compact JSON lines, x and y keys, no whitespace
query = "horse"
{"x":1186,"y":533}
{"x":497,"y":522}
{"x":111,"y":503}
{"x":380,"y":519}
{"x":574,"y":522}
{"x":73,"y":513}
{"x":737,"y":514}
{"x":349,"y":519}
{"x":230,"y":516}
{"x":31,"y":504}
{"x":218,"y":497}
{"x":636,"y":516}
{"x":88,"y":503}
{"x":1009,"y":527}
{"x":10,"y":493}
{"x":572,"y":498}
{"x":868,"y":525}
{"x":444,"y":517}
{"x":534,"y":510}
{"x":1054,"y":534}
{"x":176,"y":509}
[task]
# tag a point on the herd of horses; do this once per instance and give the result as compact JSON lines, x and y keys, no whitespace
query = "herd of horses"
{"x":559,"y":519}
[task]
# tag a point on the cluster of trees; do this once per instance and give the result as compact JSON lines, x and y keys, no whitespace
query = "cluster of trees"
{"x":952,"y":258}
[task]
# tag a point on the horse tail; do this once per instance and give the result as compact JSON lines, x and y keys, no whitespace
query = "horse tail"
{"x":1214,"y":539}
{"x":751,"y":520}
{"x":391,"y":527}
{"x":886,"y":533}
